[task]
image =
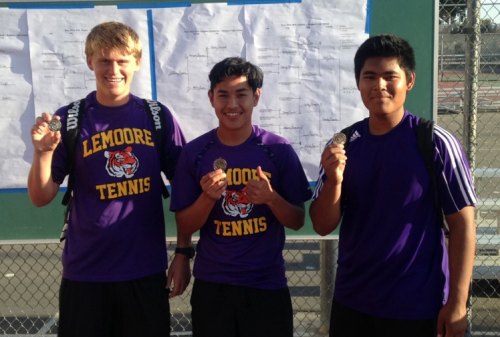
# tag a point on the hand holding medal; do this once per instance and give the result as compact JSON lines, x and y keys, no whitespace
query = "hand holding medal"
{"x":339,"y":138}
{"x":55,"y":125}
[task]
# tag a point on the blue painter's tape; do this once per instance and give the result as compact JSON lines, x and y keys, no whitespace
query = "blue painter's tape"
{"x":368,"y":23}
{"x":50,"y":6}
{"x":13,"y":190}
{"x":261,"y":2}
{"x":152,"y":65}
{"x":154,"y":5}
{"x":24,"y":190}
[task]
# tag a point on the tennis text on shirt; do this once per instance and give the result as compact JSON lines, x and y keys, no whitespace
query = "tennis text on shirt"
{"x":121,"y":163}
{"x":236,"y":204}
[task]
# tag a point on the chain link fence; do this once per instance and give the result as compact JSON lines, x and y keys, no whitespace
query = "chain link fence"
{"x":469,"y":107}
{"x":31,"y":273}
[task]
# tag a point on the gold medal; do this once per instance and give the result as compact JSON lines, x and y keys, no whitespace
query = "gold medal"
{"x":220,"y":163}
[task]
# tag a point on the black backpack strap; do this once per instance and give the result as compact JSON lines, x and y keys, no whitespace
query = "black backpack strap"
{"x":73,"y":121}
{"x":257,"y":140}
{"x":201,"y":154}
{"x":155,"y":112}
{"x":267,"y":150}
{"x":425,"y":143}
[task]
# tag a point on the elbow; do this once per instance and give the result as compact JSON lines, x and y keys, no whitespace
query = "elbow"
{"x":37,"y":200}
{"x":322,"y":227}
{"x":296,"y":226}
{"x":323,"y":223}
{"x":40,"y":204}
{"x":321,"y":231}
{"x":297,"y":221}
{"x":41,"y":195}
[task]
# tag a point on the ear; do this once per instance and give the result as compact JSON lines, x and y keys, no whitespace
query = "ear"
{"x":138,"y":63}
{"x":256,"y":96}
{"x":89,"y":63}
{"x":211,"y":97}
{"x":410,"y":82}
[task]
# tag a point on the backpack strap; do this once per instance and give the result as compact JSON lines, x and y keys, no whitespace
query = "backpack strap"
{"x":73,"y":121}
{"x":201,"y":154}
{"x":257,"y":140}
{"x":156,"y":113}
{"x":267,"y":150}
{"x":425,"y":143}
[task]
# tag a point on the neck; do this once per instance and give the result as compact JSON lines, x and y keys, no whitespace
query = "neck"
{"x":233,"y":137}
{"x":380,"y":125}
{"x":112,"y":102}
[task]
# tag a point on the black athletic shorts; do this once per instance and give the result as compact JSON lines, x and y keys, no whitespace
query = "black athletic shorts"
{"x":346,"y":322}
{"x":221,"y":310}
{"x":115,"y":309}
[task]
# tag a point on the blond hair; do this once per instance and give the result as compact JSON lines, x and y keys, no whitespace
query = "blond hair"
{"x":113,"y":35}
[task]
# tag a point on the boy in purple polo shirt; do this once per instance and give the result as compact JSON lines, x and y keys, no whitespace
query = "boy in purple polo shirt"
{"x":114,"y":259}
{"x":396,"y":276}
{"x":240,"y":186}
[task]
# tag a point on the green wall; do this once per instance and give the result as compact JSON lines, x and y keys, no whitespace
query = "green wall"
{"x":413,"y":20}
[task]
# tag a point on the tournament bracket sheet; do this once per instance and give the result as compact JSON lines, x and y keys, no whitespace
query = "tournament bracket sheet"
{"x":305,"y":49}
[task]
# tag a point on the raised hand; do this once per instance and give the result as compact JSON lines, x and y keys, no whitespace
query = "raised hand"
{"x":43,"y":139}
{"x":214,"y":183}
{"x":259,"y":191}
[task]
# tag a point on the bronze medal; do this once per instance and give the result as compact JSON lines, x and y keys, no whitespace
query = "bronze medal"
{"x":220,"y":163}
{"x":55,"y":125}
{"x":339,"y":138}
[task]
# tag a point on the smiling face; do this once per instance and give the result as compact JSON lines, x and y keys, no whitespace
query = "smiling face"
{"x":233,"y":101}
{"x":114,"y":71}
{"x":383,"y":85}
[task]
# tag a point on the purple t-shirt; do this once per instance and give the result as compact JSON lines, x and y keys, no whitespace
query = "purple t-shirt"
{"x":241,"y":243}
{"x":392,"y":256}
{"x":116,"y":227}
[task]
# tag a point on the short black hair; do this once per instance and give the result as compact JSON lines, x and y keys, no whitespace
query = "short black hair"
{"x":385,"y":45}
{"x":236,"y":66}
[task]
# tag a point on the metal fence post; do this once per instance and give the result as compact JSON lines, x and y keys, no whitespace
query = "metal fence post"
{"x":328,"y":264}
{"x":472,"y":37}
{"x":473,"y":43}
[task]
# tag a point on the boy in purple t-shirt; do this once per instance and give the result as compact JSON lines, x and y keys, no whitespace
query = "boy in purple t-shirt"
{"x":114,"y":259}
{"x":240,"y":186}
{"x":396,"y":276}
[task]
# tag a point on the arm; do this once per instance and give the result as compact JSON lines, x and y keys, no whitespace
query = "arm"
{"x":179,"y":272}
{"x":41,"y":188}
{"x":452,"y":319}
{"x":325,"y":210}
{"x":259,"y":191}
{"x":193,"y":217}
{"x":189,"y":220}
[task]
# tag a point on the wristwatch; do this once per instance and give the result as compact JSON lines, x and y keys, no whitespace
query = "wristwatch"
{"x":186,"y":251}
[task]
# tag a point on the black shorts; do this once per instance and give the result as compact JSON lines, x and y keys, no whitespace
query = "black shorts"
{"x":346,"y":322}
{"x":221,"y":310}
{"x":115,"y":309}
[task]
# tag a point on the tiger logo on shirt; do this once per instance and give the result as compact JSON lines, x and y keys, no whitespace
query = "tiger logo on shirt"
{"x":121,"y":163}
{"x":236,"y":203}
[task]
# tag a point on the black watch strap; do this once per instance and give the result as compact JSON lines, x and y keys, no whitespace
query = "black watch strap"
{"x":186,"y":251}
